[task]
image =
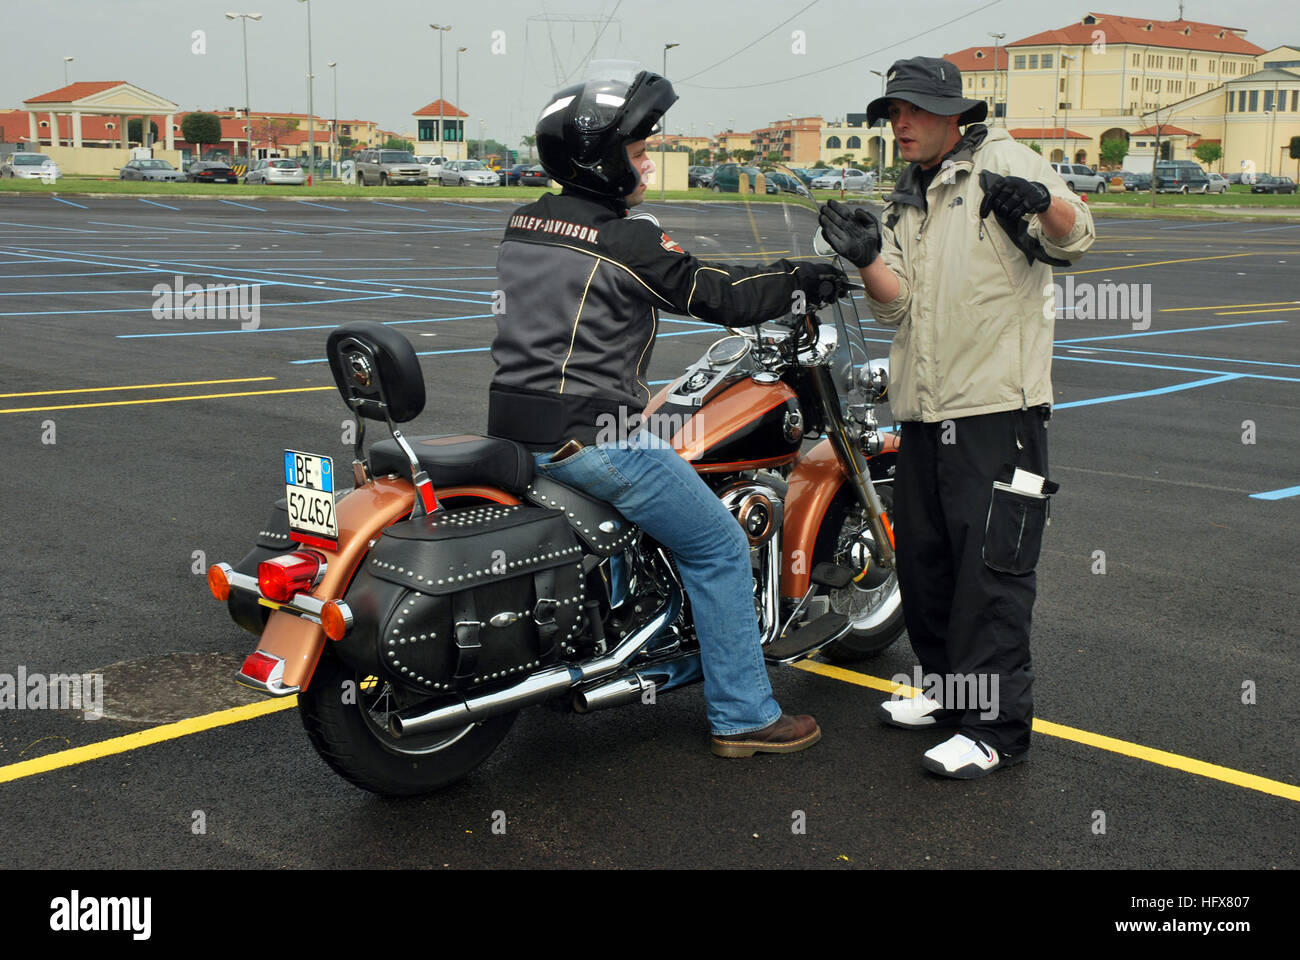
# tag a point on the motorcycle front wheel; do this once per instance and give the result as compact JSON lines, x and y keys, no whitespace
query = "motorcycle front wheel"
{"x":345,"y":714}
{"x":873,"y":604}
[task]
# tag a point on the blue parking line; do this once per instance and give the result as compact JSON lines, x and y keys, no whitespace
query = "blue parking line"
{"x":1285,"y":226}
{"x":1189,"y":226}
{"x":398,"y":206}
{"x":1158,"y":366}
{"x":156,"y":203}
{"x":1149,"y":393}
{"x":1193,"y":356}
{"x":247,"y":206}
{"x":467,"y":206}
{"x":1277,"y":494}
{"x":69,"y":203}
{"x":149,"y":310}
{"x":323,"y":206}
{"x":1160,"y":333}
{"x":42,"y":226}
{"x":320,"y":326}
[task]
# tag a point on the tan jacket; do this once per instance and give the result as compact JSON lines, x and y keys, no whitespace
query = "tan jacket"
{"x":973,"y":335}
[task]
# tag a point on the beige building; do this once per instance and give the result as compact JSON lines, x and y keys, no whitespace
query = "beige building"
{"x":440,"y":131}
{"x":1107,"y":76}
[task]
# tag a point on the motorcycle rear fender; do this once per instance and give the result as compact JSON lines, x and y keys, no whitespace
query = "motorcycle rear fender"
{"x":362,"y":516}
{"x":813,"y":483}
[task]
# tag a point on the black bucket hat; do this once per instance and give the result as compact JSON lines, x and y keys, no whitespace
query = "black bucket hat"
{"x":931,"y":84}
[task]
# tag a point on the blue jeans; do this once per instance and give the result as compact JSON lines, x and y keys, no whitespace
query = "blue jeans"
{"x":651,"y":485}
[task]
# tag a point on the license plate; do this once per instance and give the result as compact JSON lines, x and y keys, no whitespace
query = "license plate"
{"x":309,"y":490}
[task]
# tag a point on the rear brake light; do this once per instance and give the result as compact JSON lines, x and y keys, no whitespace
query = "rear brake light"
{"x":218,"y":582}
{"x":258,"y":666}
{"x":281,"y":577}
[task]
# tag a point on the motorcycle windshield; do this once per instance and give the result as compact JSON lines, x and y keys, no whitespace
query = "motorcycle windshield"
{"x":852,"y":359}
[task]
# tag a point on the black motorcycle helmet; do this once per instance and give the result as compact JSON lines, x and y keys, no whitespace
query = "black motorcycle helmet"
{"x":583,"y":130}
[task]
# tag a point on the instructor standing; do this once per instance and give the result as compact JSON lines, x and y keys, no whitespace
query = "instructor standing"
{"x":962,"y":267}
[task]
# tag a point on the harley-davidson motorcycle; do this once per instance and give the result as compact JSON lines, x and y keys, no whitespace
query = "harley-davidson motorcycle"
{"x":417,"y":612}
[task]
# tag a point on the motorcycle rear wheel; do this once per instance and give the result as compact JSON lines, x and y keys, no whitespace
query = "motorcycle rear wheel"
{"x":875,"y":608}
{"x":345,"y":714}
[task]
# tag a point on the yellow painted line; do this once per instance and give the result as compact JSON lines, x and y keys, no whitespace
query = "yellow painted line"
{"x":1237,"y":313}
{"x":1158,"y":263}
{"x":127,"y":403}
{"x":149,"y":386}
{"x":1230,"y":306}
{"x":1047,"y":728}
{"x":143,"y":738}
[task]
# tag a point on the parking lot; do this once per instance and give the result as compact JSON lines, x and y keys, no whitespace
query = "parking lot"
{"x":141,"y":448}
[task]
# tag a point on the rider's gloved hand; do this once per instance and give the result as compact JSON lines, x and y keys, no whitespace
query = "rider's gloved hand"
{"x":821,"y":282}
{"x":1010,"y":198}
{"x":853,"y":233}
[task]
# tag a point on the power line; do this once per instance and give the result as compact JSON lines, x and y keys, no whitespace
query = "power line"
{"x":836,"y":66}
{"x":748,"y":45}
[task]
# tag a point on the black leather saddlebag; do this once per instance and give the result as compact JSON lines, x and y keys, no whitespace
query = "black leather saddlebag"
{"x":478,"y":596}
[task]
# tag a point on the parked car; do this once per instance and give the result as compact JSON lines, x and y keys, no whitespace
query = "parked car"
{"x":158,"y":171}
{"x":211,"y":171}
{"x":1181,"y":176}
{"x":535,"y":176}
{"x":471,"y":173}
{"x":853,"y":179}
{"x":726,"y":178}
{"x":276,"y":170}
{"x":807,"y":175}
{"x":29,"y":166}
{"x":1218,"y":183}
{"x":432,"y":165}
{"x":386,"y":167}
{"x":786,"y":183}
{"x":1234,"y":178}
{"x":695,"y":175}
{"x":1135,"y":180}
{"x":1267,"y":183}
{"x":1080,"y":178}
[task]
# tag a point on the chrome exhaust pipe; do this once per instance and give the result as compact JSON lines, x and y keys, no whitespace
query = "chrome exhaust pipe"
{"x":537,"y":688}
{"x":613,"y":693}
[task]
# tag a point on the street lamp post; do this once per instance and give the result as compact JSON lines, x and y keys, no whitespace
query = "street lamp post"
{"x":663,"y":132}
{"x":880,"y":157}
{"x":996,"y":38}
{"x":66,"y":61}
{"x":334,"y":124}
{"x":248,"y":117}
{"x":442,"y":134}
{"x":461,"y":141}
{"x":311,"y":101}
{"x":1065,"y":108}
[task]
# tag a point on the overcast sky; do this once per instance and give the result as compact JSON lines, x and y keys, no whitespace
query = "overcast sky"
{"x":730,"y":50}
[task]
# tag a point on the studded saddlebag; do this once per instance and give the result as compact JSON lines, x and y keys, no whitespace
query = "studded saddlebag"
{"x":471,"y":597}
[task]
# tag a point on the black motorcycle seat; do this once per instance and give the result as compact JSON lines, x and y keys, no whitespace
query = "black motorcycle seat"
{"x":458,"y":459}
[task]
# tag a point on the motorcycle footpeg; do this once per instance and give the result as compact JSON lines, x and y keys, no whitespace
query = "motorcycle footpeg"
{"x":832,"y":575}
{"x":808,"y":639}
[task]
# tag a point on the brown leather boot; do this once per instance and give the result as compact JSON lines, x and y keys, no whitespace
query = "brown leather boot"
{"x":786,"y":735}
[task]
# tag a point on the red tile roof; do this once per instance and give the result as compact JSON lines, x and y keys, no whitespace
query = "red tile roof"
{"x":433,"y":110}
{"x":1046,"y":133}
{"x":977,"y":58}
{"x":75,"y":91}
{"x":1166,"y":130}
{"x":1180,"y":34}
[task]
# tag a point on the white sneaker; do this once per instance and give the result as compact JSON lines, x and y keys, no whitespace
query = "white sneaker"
{"x":916,"y":712}
{"x":962,"y":758}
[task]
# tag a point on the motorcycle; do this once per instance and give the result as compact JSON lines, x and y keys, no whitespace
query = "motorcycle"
{"x":415,"y":614}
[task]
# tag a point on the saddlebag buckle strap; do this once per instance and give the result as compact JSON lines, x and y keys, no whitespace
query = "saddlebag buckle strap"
{"x":544,"y":611}
{"x":467,"y":634}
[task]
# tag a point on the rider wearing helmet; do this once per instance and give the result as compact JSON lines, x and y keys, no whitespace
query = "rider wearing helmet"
{"x":583,"y":283}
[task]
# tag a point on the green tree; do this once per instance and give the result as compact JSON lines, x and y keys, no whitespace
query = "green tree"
{"x":133,"y":131}
{"x":1208,"y":153}
{"x":201,"y":129}
{"x":397,"y":143}
{"x":530,"y":142}
{"x":700,"y":158}
{"x":1036,"y":147}
{"x":1113,"y":152}
{"x":743,"y":156}
{"x":843,"y":160}
{"x":819,"y":165}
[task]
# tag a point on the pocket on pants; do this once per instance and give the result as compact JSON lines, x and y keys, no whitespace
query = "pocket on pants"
{"x":1013,"y":530}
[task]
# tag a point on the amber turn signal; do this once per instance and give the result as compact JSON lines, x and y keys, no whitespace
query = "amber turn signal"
{"x":336,"y":619}
{"x":218,"y":583}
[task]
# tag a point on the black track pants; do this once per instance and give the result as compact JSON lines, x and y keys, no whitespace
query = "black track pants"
{"x":967,"y":616}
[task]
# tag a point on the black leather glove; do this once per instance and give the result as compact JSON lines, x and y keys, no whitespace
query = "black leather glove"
{"x":1012,"y":197}
{"x":821,"y":282}
{"x":853,"y":233}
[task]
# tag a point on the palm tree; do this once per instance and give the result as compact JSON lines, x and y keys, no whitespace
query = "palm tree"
{"x":530,"y":142}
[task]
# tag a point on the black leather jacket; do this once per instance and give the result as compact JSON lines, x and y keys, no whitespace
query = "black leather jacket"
{"x":583,"y":284}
